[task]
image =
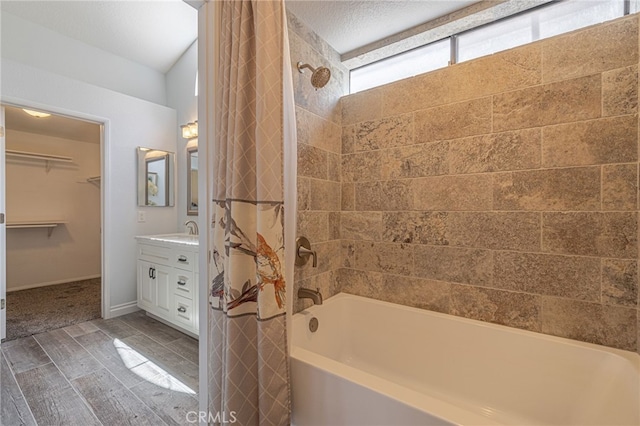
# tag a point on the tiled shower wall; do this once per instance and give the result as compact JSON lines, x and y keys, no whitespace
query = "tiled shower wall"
{"x":503,"y":189}
{"x":318,"y":117}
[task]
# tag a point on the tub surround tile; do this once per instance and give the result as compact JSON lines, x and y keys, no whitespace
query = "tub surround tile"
{"x":453,"y":121}
{"x":363,"y":106}
{"x":612,"y":234}
{"x":360,"y":283}
{"x":576,"y":188}
{"x":326,"y":282}
{"x":416,"y":292}
{"x":314,"y":225}
{"x":620,"y":187}
{"x":620,"y":91}
{"x":348,"y":139}
{"x":303,"y":191}
{"x":517,"y":310}
{"x":334,"y":225}
{"x":324,"y":195}
{"x":361,"y":225}
{"x":451,"y":193}
{"x":415,"y":227}
{"x":545,"y":274}
{"x":496,"y":152}
{"x":495,"y":230}
{"x":601,"y":141}
{"x":384,"y":195}
{"x":554,"y":103}
{"x":312,"y":162}
{"x":591,"y":50}
{"x":590,"y":322}
{"x":334,"y":165}
{"x":620,"y":282}
{"x":388,"y":132}
{"x":348,"y":194}
{"x":347,"y":254}
{"x":452,"y":264}
{"x":318,"y":132}
{"x":361,"y":166}
{"x":384,"y":257}
{"x":327,"y":260}
{"x":415,"y":161}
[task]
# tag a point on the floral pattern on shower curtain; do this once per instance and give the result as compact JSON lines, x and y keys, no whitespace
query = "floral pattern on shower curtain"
{"x":247,"y":357}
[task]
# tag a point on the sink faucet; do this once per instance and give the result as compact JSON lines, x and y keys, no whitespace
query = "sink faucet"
{"x":307,"y":293}
{"x":192,"y":226}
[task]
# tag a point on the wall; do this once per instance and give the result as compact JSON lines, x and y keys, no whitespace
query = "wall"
{"x":181,"y":81}
{"x":503,"y":189}
{"x":130,"y":122}
{"x":318,"y":119}
{"x":32,"y":44}
{"x":73,"y":250}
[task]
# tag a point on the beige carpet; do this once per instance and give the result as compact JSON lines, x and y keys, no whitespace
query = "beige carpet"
{"x":40,"y":309}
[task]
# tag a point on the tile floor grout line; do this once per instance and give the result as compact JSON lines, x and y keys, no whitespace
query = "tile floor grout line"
{"x":18,"y":385}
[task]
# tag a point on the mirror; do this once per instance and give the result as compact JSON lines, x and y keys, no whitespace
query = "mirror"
{"x":192,"y":181}
{"x":155,"y":177}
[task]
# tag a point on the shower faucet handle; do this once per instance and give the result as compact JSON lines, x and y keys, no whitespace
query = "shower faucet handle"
{"x":303,"y":251}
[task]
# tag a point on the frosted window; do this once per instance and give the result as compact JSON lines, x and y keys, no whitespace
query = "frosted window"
{"x":571,"y":15}
{"x":417,"y":61}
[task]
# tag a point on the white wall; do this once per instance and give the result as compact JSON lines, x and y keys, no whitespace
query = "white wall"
{"x":130,"y":122}
{"x":181,"y":80}
{"x":32,"y":44}
{"x":73,"y":251}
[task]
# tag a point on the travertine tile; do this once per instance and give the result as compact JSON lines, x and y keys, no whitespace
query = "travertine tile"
{"x":460,"y":265}
{"x":347,"y":253}
{"x":334,"y":225}
{"x":453,"y":121}
{"x":416,"y":292}
{"x":553,"y":189}
{"x":362,"y":106}
{"x":545,"y":274}
{"x":387,"y":132}
{"x":496,"y":152}
{"x":554,"y":103}
{"x":620,"y":187}
{"x":612,"y":234}
{"x":590,"y":322}
{"x":318,"y":132}
{"x":361,"y":166}
{"x":509,"y":70}
{"x":361,"y":225}
{"x":606,"y":140}
{"x":415,"y":227}
{"x":384,"y":257}
{"x":386,"y":195}
{"x":495,"y":230}
{"x":453,"y":193}
{"x":324,"y":195}
{"x":360,"y":283}
{"x":348,"y":196}
{"x":326,"y":282}
{"x":348,"y":139}
{"x":328,"y":260}
{"x":620,"y":282}
{"x":592,"y":50}
{"x":303,"y":191}
{"x":428,"y":159}
{"x":312,"y":162}
{"x":314,"y":225}
{"x":499,"y":307}
{"x":334,"y":164}
{"x":620,"y":91}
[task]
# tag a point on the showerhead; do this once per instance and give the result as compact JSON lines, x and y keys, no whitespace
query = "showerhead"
{"x":319,"y":76}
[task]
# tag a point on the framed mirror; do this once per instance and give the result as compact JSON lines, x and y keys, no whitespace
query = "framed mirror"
{"x":155,"y":177}
{"x":192,"y":181}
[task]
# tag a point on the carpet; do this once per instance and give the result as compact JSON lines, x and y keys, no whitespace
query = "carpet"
{"x":41,"y":309}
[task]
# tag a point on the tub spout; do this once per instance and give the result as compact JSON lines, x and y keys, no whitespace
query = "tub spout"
{"x":307,"y":293}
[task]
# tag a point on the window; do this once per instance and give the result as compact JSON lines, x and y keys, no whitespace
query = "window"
{"x":542,"y":22}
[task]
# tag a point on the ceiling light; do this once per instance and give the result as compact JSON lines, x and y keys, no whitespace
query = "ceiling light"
{"x":36,"y":114}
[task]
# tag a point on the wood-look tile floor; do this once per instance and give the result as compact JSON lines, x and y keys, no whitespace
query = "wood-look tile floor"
{"x":130,"y":370}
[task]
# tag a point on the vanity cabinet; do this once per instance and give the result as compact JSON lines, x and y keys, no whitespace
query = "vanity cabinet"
{"x":167,"y":281}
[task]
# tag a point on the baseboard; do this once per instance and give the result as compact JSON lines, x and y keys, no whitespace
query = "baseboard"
{"x":65,"y":281}
{"x":123,"y":309}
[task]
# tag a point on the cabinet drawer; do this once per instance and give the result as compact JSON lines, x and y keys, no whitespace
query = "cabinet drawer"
{"x":155,"y":254}
{"x":184,"y":259}
{"x":184,"y":312}
{"x":184,"y":283}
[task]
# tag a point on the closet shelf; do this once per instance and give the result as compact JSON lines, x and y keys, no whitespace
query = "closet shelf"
{"x":49,"y":224}
{"x":47,"y":158}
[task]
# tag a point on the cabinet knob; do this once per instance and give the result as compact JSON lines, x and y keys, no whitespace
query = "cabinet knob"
{"x":182,"y":309}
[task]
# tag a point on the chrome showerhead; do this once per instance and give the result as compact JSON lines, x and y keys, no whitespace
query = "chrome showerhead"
{"x":319,"y":76}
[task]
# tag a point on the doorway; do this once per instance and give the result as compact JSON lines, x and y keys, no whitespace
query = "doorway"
{"x":53,"y":221}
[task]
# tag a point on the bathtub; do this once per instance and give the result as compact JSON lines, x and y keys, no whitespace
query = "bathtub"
{"x":377,"y":363}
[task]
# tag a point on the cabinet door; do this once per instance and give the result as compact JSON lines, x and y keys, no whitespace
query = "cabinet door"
{"x":146,"y":285}
{"x":164,"y":289}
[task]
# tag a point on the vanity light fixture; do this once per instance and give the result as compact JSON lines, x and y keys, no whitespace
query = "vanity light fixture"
{"x":190,"y":130}
{"x":36,"y":114}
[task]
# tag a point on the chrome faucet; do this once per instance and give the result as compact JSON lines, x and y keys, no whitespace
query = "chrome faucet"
{"x":192,"y":226}
{"x":307,"y":293}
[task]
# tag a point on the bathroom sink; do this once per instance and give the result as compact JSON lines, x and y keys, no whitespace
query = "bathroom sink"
{"x":174,"y":238}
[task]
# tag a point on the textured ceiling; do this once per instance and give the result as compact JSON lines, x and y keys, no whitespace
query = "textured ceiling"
{"x":154,"y":33}
{"x":347,"y":25}
{"x":56,"y":126}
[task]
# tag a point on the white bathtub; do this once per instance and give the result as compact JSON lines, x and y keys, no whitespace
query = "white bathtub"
{"x":377,"y":363}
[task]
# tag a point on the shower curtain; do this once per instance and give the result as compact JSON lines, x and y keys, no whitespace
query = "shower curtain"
{"x":247,"y":358}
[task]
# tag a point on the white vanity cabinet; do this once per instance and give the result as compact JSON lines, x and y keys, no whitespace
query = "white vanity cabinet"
{"x":167,"y":279}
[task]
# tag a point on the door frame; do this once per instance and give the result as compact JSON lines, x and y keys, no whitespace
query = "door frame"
{"x":105,"y":224}
{"x":3,"y":230}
